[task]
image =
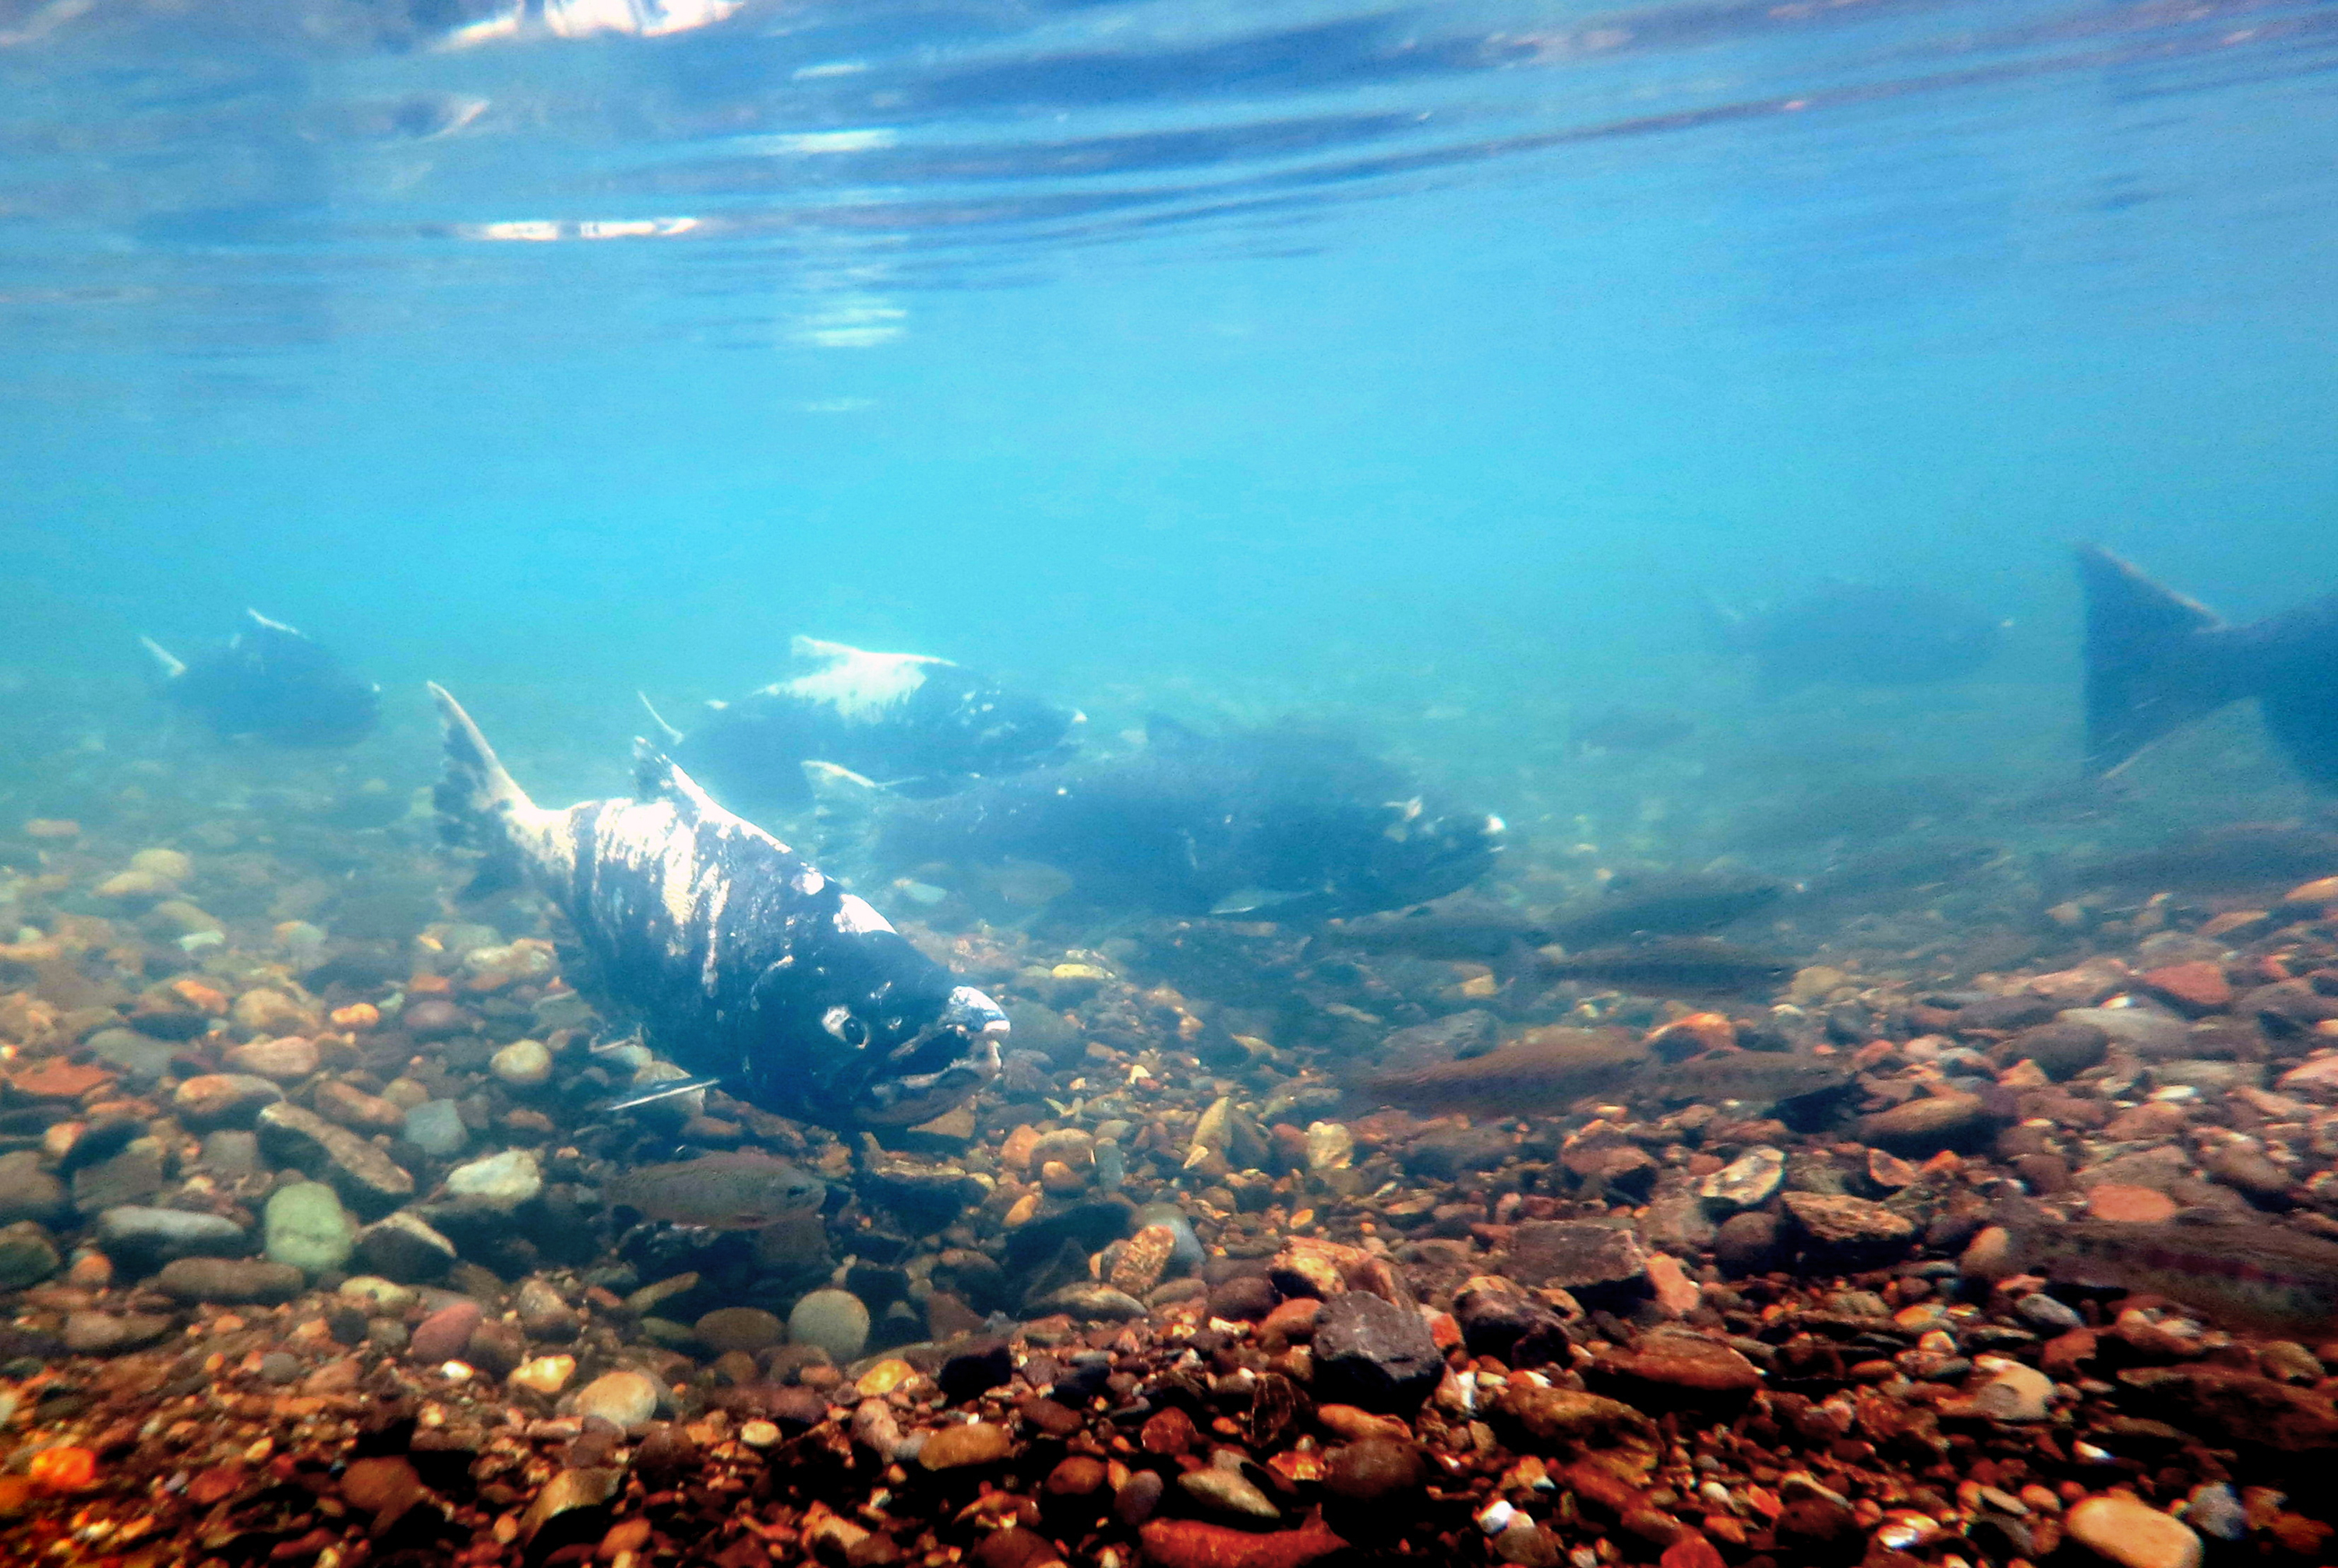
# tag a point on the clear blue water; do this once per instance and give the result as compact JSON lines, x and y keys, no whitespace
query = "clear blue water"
{"x":1422,"y":366}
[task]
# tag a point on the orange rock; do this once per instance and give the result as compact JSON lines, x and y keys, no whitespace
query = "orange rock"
{"x":2129,"y":1205}
{"x":52,"y":828}
{"x":1691,"y":1551}
{"x":1677,"y":1293}
{"x":1294,"y":1322}
{"x":1189,"y":1543}
{"x":2197,"y":987}
{"x":62,"y":1469}
{"x":200,"y":996}
{"x":1444,"y":1332}
{"x":1015,"y":1154}
{"x":54,"y":1078}
{"x":429,"y":985}
{"x":1351,"y":1425}
{"x":356,"y":1016}
{"x":2230,"y":920}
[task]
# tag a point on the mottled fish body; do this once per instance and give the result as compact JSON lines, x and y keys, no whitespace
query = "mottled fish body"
{"x":1282,"y":825}
{"x":917,"y":724}
{"x":1542,"y":1072}
{"x":2255,"y":1277}
{"x":744,"y":963}
{"x":1694,"y":966}
{"x":736,"y":1192}
{"x":1748,"y":1077}
{"x":271,"y":685}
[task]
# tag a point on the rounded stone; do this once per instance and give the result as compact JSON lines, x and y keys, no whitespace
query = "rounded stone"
{"x":835,"y":1320}
{"x":431,"y":1019}
{"x":229,"y":1280}
{"x":436,"y":1127}
{"x":974,"y":1443}
{"x":307,"y":1226}
{"x":1374,"y":1468}
{"x":287,"y":1058}
{"x":504,"y":1181}
{"x":747,"y":1328}
{"x":523,"y":1063}
{"x":2134,"y":1535}
{"x":446,"y":1334}
{"x":620,"y":1398}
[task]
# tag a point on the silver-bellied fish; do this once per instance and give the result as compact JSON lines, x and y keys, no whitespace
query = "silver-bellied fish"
{"x":745,"y":965}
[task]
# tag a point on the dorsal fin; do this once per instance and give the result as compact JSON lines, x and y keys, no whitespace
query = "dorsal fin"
{"x":656,"y":778}
{"x":815,"y":653}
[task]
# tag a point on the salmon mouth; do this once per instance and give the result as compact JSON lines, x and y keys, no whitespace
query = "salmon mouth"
{"x":938,"y":1068}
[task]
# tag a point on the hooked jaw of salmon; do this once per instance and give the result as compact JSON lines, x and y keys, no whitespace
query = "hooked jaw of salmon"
{"x":934,"y":1069}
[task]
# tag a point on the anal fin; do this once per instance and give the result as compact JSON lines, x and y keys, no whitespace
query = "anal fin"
{"x":664,"y":1089}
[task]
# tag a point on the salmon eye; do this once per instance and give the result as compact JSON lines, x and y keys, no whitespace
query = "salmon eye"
{"x":841,"y":1022}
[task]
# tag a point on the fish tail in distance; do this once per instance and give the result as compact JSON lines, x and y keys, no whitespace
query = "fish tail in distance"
{"x":2152,"y":666}
{"x":476,"y":798}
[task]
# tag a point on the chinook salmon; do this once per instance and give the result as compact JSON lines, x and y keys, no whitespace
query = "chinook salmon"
{"x":746,"y":966}
{"x":271,"y":685}
{"x":921,"y":726}
{"x":2257,"y":1277}
{"x":1749,"y":1077}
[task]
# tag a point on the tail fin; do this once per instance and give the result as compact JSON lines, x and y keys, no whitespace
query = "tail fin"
{"x":2152,"y":661}
{"x":476,"y":798}
{"x":168,"y":666}
{"x":672,"y":736}
{"x":846,"y":803}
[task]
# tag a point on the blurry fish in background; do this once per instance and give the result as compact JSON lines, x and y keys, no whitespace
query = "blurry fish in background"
{"x":271,"y":685}
{"x":1272,"y":825}
{"x":2157,"y":662}
{"x":919,"y":725}
{"x":1631,"y":729}
{"x":2229,"y":858}
{"x":1700,"y":967}
{"x":1666,"y":903}
{"x":2251,"y":1276}
{"x":1852,"y":634}
{"x":1748,"y":1077}
{"x":1466,"y":930}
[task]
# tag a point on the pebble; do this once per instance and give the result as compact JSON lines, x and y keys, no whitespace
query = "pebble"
{"x":2040,"y":1311}
{"x":747,"y":1328}
{"x":1193,"y":1544}
{"x":504,"y":1181}
{"x":436,"y":1127}
{"x":285,"y":1060}
{"x":1374,"y":1354}
{"x":624,"y":1399}
{"x":28,"y":1191}
{"x":27,"y":1255}
{"x":404,"y":1248}
{"x":446,"y":1334}
{"x":307,"y":1226}
{"x":1748,"y":1181}
{"x":971,"y":1443}
{"x":367,"y":1179}
{"x":1925,"y":1127}
{"x":1223,"y":1492}
{"x":2016,"y":1394}
{"x":229,"y":1280}
{"x":223,"y":1099}
{"x":546,"y":1375}
{"x":163,"y":1233}
{"x":835,"y":1320}
{"x":2132,"y":1534}
{"x":522,"y":1064}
